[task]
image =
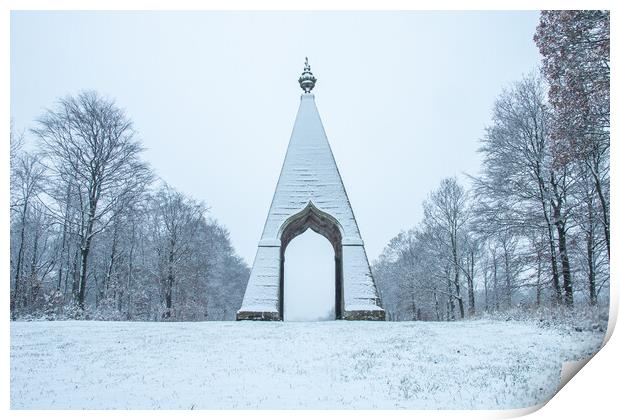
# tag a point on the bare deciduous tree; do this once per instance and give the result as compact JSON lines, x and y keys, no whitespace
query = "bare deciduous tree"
{"x":89,"y":144}
{"x":27,"y":182}
{"x":176,"y":220}
{"x":447,"y":211}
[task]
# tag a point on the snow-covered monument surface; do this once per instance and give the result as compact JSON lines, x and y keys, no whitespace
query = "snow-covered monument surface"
{"x":310,"y":194}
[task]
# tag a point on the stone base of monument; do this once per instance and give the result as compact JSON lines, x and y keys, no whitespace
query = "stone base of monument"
{"x":359,"y":315}
{"x":364,"y":315}
{"x":258,"y":316}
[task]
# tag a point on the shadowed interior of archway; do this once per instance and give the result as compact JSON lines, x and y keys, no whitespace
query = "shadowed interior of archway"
{"x":323,"y":224}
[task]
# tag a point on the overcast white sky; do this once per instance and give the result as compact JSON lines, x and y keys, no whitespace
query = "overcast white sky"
{"x":404,"y":97}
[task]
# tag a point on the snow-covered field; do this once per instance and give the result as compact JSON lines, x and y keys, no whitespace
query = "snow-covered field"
{"x":338,"y":364}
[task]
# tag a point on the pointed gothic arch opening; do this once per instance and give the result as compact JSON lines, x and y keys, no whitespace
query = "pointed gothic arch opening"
{"x":323,"y":224}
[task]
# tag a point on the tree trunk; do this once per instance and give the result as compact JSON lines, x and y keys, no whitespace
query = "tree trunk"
{"x":169,"y":283}
{"x":75,"y":283}
{"x":69,"y":272}
{"x":551,"y":242}
{"x":450,"y":312}
{"x":86,"y":241}
{"x":108,"y":276}
{"x":560,"y":225}
{"x":17,"y":291}
{"x":471,"y":310}
{"x":508,"y":279}
{"x":457,"y":283}
{"x":413,"y":307}
{"x":84,"y":251}
{"x":486,"y":291}
{"x":591,"y":271}
{"x":590,"y":254}
{"x":566,"y":274}
{"x":568,"y":284}
{"x":33,"y":265}
{"x":602,"y":199}
{"x":495,"y":295}
{"x":538,"y":276}
{"x":605,"y":215}
{"x":130,"y":271}
{"x":64,"y":240}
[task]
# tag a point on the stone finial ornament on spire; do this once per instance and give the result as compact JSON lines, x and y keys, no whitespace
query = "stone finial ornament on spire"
{"x":307,"y":79}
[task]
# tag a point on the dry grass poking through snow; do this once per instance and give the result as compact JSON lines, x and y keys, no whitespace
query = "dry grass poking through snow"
{"x":477,"y":364}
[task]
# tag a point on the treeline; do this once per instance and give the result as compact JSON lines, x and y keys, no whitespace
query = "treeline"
{"x":533,"y":229}
{"x":95,"y":234}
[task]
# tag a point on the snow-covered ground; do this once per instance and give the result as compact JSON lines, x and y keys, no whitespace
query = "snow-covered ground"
{"x":338,"y":364}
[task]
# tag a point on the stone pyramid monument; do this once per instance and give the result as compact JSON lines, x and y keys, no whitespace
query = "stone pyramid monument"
{"x":310,"y":194}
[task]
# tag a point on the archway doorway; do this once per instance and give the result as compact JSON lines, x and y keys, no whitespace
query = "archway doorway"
{"x":309,"y":289}
{"x":325,"y":225}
